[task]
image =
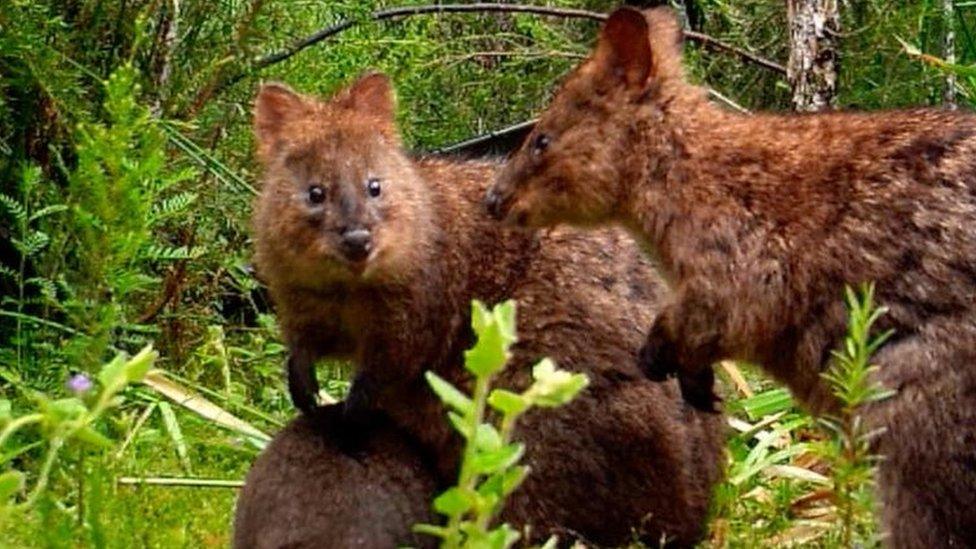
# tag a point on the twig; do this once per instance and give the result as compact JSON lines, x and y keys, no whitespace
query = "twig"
{"x":194,"y":482}
{"x":722,"y":98}
{"x":716,"y":44}
{"x":478,"y":140}
{"x":474,"y":142}
{"x":409,"y":11}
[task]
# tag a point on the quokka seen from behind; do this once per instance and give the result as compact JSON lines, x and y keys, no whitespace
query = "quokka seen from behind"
{"x":375,"y":256}
{"x":758,"y":222}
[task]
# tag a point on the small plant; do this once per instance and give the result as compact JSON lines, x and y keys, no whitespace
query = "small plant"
{"x":848,"y":451}
{"x":60,"y":423}
{"x":489,"y":462}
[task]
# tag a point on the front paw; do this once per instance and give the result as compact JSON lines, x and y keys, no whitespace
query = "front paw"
{"x":657,"y":358}
{"x":302,"y":385}
{"x":698,"y":389}
{"x":358,"y":416}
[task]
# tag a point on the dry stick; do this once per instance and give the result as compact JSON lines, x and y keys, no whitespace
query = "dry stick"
{"x":409,"y":11}
{"x":185,"y":482}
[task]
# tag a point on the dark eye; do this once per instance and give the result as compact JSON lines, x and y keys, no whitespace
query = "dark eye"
{"x":316,"y":194}
{"x":540,"y":144}
{"x":373,"y":187}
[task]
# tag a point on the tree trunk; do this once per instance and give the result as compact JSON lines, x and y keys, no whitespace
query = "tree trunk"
{"x":812,"y":69}
{"x":949,"y":52}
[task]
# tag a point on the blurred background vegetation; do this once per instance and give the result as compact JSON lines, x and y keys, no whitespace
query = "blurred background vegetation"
{"x":126,"y":178}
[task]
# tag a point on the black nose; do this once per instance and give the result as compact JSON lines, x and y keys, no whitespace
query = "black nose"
{"x":356,"y":244}
{"x":493,"y":203}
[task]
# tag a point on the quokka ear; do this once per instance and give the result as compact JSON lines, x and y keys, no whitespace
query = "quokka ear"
{"x":275,"y":107}
{"x":623,"y":50}
{"x":372,"y":95}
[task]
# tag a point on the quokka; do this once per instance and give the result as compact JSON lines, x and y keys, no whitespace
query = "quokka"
{"x":374,"y":256}
{"x":758,"y":222}
{"x":306,"y":491}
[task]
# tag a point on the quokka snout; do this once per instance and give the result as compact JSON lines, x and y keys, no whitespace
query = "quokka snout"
{"x":758,"y":222}
{"x":403,"y":306}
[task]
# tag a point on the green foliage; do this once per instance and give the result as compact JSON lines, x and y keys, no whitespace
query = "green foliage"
{"x":59,"y":424}
{"x":489,"y":462}
{"x":849,"y":448}
{"x":118,"y":196}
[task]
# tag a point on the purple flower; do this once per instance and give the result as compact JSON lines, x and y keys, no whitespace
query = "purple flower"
{"x":78,"y":384}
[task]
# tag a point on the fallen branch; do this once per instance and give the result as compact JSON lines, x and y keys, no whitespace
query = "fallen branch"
{"x":185,"y":482}
{"x":410,"y":11}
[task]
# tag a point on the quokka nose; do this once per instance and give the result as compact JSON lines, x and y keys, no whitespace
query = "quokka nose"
{"x":493,"y":203}
{"x":356,"y":244}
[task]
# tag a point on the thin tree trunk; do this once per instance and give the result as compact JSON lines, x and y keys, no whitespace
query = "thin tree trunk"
{"x":949,"y":52}
{"x":812,"y":68}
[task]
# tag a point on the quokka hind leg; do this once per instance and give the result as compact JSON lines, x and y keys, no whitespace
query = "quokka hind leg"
{"x":927,"y":476}
{"x":306,"y":492}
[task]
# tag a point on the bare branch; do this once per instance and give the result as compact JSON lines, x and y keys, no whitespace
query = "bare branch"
{"x":409,"y":11}
{"x":715,"y":44}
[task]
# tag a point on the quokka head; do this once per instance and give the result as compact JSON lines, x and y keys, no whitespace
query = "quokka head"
{"x":340,"y":201}
{"x":573,"y":166}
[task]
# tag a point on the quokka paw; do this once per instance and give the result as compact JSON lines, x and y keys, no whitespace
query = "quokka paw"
{"x":698,"y":389}
{"x":657,"y":358}
{"x":302,"y":385}
{"x":357,"y":420}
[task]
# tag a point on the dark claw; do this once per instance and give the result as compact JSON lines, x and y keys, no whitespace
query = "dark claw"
{"x":697,"y":389}
{"x":657,"y":358}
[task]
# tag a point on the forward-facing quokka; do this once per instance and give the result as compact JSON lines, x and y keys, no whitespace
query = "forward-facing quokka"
{"x":758,"y":222}
{"x":375,"y":256}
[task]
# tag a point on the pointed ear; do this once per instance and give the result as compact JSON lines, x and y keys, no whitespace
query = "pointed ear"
{"x":623,"y":50}
{"x":275,"y":107}
{"x":372,"y":95}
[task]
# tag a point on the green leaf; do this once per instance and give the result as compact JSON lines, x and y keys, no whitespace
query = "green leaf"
{"x":93,"y":437}
{"x":513,"y":478}
{"x":505,"y":317}
{"x":139,"y":365}
{"x":488,"y":354}
{"x":431,"y":530}
{"x":486,"y":438}
{"x":453,"y":502}
{"x":496,"y":333}
{"x":502,"y":537}
{"x":449,"y":394}
{"x":6,"y":413}
{"x":459,"y":424}
{"x":112,"y":375}
{"x":507,"y":402}
{"x":554,"y":387}
{"x":64,"y":409}
{"x":495,"y":460}
{"x":11,"y":482}
{"x":176,"y":435}
{"x":767,"y":403}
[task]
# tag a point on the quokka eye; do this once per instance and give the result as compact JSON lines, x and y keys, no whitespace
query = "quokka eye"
{"x":316,"y":194}
{"x":373,"y":187}
{"x":540,"y":144}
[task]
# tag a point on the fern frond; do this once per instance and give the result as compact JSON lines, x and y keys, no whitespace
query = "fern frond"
{"x":15,"y":208}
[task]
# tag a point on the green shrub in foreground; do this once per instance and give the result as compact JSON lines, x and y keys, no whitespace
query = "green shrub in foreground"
{"x":489,"y":462}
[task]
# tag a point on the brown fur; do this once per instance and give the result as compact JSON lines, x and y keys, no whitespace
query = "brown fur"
{"x":305,"y":492}
{"x":626,"y":458}
{"x":759,"y":222}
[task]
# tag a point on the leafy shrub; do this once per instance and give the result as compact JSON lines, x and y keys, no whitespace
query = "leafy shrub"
{"x":489,"y":462}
